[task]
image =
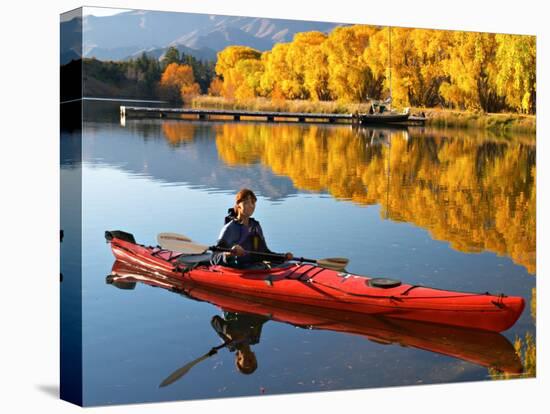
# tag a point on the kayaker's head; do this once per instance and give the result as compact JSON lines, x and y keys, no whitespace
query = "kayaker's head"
{"x":245,"y":359}
{"x":245,"y":204}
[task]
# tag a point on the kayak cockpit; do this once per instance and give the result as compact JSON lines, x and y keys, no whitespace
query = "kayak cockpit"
{"x":195,"y":259}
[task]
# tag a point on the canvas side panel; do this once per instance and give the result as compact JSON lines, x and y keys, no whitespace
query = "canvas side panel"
{"x":70,"y":58}
{"x":71,"y":207}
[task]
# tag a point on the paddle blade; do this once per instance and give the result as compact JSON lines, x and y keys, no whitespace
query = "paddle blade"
{"x":334,"y":263}
{"x":176,"y":375}
{"x":167,"y":237}
{"x":180,"y":243}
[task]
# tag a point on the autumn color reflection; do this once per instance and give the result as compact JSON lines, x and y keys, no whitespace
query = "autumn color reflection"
{"x":478,"y":194}
{"x":525,"y":347}
{"x":177,"y":132}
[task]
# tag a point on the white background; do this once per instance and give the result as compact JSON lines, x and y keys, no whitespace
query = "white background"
{"x":29,"y":210}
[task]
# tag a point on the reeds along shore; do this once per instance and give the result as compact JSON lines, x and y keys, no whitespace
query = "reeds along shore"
{"x":444,"y":118}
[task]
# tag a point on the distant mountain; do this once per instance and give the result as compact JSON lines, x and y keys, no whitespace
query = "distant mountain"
{"x":131,"y":33}
{"x":71,"y":40}
{"x":221,"y":37}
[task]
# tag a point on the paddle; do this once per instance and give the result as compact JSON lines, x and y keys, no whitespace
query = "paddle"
{"x":169,"y":240}
{"x":177,"y":374}
{"x":182,"y":244}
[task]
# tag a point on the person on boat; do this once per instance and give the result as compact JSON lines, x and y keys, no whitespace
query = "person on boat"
{"x":239,"y":331}
{"x":242,"y":233}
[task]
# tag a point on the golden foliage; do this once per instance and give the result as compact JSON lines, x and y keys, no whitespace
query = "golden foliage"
{"x":350,"y":78}
{"x":279,"y":77}
{"x":516,"y":78}
{"x":178,"y":80}
{"x":308,"y":61}
{"x":240,"y":68}
{"x":216,"y":87}
{"x":463,"y":70}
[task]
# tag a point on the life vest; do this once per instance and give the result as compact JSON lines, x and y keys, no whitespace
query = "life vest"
{"x":253,"y":238}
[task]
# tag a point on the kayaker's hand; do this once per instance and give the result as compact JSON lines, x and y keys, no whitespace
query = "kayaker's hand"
{"x":237,"y":251}
{"x":289,"y":256}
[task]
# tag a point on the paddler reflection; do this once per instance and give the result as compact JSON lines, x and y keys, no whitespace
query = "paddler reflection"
{"x":239,"y":331}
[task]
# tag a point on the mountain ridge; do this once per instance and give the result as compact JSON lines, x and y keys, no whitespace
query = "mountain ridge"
{"x":128,"y":34}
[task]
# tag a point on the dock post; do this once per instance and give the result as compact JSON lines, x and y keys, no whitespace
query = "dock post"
{"x":332,"y":120}
{"x":123,"y":116}
{"x":270,"y":118}
{"x":203,"y":116}
{"x":302,"y":119}
{"x":236,"y":117}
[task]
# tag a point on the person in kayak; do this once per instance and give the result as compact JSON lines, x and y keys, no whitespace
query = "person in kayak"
{"x":239,"y":331}
{"x":242,"y":233}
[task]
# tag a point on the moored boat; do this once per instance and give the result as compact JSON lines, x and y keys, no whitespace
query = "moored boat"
{"x":381,"y":115}
{"x":383,"y":118}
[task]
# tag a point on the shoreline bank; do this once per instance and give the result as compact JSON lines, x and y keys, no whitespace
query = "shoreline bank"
{"x":443,"y":118}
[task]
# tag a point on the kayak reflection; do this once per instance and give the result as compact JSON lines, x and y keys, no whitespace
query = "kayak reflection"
{"x":244,"y":317}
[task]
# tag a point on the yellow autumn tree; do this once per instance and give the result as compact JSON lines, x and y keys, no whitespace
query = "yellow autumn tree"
{"x":350,"y":77}
{"x":429,"y":48}
{"x":234,"y":73}
{"x":380,"y":58}
{"x":464,"y":70}
{"x":216,"y":87}
{"x":249,"y":73}
{"x":279,"y":76}
{"x":516,"y":78}
{"x":308,"y":64}
{"x":471,"y":68}
{"x":416,"y":72}
{"x":178,"y":81}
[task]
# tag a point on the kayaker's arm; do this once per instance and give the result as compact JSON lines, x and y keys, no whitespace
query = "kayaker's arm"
{"x":227,"y":239}
{"x":284,"y":256}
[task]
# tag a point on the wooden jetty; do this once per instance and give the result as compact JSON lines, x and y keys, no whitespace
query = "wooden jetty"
{"x":238,"y":115}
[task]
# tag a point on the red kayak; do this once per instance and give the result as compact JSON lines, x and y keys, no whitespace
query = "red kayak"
{"x":312,"y":285}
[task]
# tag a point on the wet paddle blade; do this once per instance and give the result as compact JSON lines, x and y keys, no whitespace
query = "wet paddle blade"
{"x":176,"y":375}
{"x":180,"y":243}
{"x":168,"y":237}
{"x":334,"y":263}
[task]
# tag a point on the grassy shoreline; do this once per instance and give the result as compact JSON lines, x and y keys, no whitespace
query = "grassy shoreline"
{"x":442,"y":118}
{"x":505,"y":122}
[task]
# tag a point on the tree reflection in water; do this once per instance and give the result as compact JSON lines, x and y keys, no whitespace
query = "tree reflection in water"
{"x":475,"y":191}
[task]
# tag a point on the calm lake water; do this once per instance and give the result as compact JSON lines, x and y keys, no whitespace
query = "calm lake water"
{"x":443,"y":208}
